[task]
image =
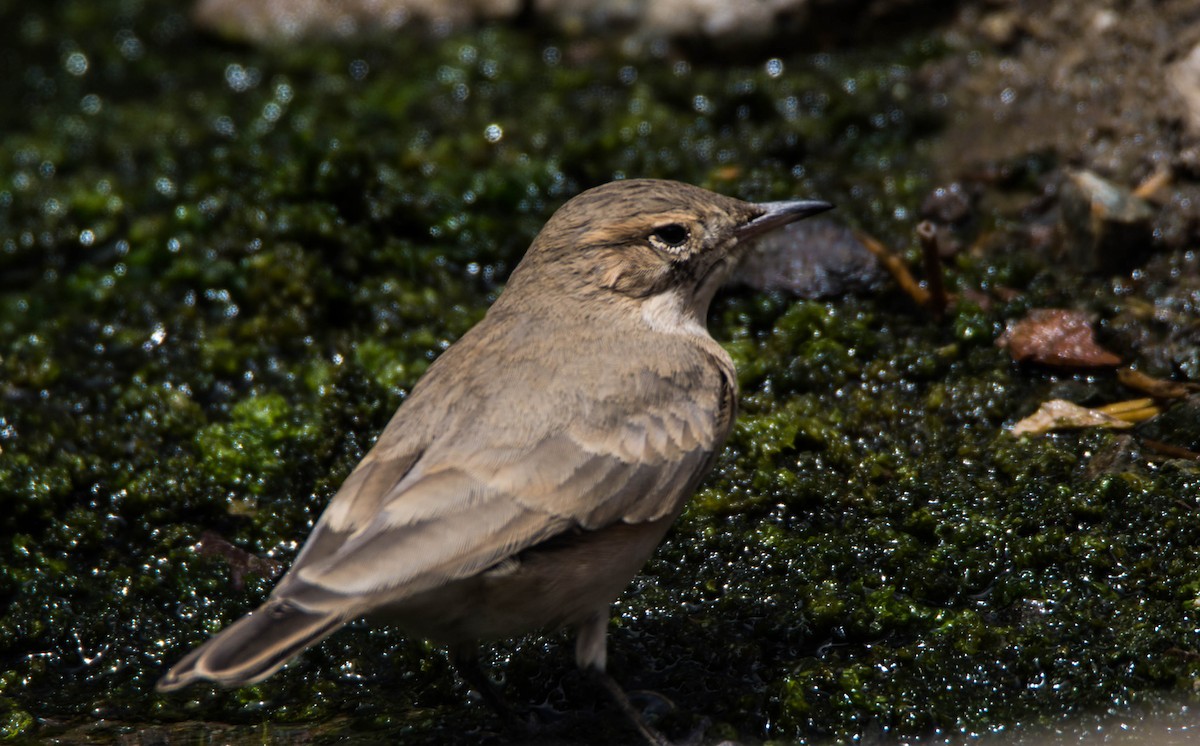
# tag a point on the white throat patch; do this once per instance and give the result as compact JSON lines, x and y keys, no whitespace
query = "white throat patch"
{"x":672,"y":313}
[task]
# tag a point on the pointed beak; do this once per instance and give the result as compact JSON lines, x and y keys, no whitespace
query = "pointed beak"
{"x":777,"y":214}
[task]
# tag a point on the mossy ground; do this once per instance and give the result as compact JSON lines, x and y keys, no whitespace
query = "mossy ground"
{"x":222,"y":267}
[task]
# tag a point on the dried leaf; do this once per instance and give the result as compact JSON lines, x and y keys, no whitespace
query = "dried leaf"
{"x":1057,"y":337}
{"x":1157,"y":387}
{"x":728,"y":173}
{"x":240,"y":561}
{"x":1134,"y":410}
{"x":1059,"y":414}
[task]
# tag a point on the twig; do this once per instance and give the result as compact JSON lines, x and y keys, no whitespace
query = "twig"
{"x":1168,"y":449}
{"x":896,"y":267}
{"x":927,"y":233}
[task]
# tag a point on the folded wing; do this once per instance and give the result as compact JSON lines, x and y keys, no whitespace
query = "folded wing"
{"x":411,"y":521}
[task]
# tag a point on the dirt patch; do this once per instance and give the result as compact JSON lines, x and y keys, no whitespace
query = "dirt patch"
{"x":1100,"y":86}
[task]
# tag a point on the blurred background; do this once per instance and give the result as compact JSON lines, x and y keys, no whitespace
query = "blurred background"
{"x":961,"y":499}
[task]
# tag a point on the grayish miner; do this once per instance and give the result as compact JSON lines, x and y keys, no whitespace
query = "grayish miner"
{"x":540,"y":460}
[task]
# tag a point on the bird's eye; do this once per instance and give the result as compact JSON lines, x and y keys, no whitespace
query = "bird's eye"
{"x":671,"y":236}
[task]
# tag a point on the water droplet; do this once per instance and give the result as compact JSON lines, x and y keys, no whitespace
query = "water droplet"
{"x":240,"y":78}
{"x":90,"y":104}
{"x":76,"y":63}
{"x":129,"y":45}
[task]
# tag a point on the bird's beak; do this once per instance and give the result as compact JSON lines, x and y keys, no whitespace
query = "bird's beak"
{"x":776,"y":214}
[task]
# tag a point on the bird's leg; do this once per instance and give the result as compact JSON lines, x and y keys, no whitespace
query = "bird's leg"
{"x":466,"y":661}
{"x":591,"y":654}
{"x":618,"y":695}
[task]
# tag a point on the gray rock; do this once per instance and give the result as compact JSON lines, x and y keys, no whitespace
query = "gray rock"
{"x":726,"y":21}
{"x":814,"y":258}
{"x":282,"y":20}
{"x":719,"y":19}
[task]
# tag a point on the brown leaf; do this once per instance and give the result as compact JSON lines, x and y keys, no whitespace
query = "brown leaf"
{"x":240,"y":561}
{"x":1055,"y":336}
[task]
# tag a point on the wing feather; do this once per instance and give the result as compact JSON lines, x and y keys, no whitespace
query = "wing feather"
{"x":427,"y":513}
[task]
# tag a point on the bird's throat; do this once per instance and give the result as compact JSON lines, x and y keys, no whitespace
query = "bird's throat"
{"x":676,"y":311}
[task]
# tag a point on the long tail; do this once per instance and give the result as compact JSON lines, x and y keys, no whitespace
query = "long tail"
{"x":253,"y":647}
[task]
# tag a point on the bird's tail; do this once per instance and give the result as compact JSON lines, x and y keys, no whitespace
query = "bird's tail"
{"x":253,"y":647}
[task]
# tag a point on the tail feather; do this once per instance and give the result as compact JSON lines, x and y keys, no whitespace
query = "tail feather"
{"x":253,"y":647}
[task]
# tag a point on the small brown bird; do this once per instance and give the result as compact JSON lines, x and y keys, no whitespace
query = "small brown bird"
{"x":539,"y":462}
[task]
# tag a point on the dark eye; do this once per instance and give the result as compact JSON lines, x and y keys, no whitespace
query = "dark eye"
{"x":673,"y":235}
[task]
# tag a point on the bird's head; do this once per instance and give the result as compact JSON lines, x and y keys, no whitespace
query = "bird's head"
{"x":649,"y":240}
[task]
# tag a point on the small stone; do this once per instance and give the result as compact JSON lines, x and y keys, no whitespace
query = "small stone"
{"x":948,"y":204}
{"x":1183,"y":77}
{"x":1106,"y":228}
{"x":1001,"y":27}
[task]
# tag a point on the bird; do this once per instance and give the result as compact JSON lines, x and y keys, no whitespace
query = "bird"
{"x":540,"y":460}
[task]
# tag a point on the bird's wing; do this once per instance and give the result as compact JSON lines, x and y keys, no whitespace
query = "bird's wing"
{"x":594,"y":474}
{"x":409,"y":521}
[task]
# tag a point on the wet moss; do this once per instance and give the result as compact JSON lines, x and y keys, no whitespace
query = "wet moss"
{"x":222,"y":268}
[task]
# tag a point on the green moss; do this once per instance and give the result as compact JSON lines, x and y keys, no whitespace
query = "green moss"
{"x":246,"y":451}
{"x":13,"y":720}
